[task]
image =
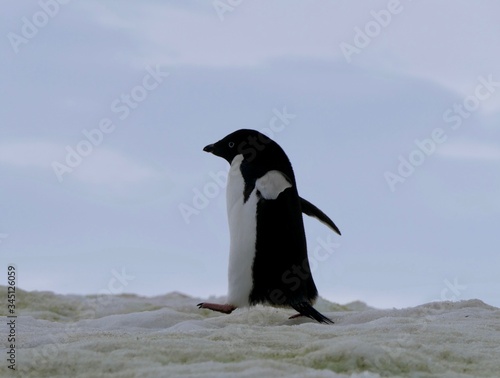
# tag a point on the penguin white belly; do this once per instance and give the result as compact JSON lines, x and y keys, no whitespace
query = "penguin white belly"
{"x":243,"y":230}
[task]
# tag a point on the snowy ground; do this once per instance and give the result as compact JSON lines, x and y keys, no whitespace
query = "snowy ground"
{"x":167,"y":336}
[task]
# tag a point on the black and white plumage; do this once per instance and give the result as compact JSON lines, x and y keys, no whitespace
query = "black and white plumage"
{"x":268,"y":260}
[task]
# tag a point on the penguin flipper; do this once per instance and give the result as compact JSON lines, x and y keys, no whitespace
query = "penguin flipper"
{"x":309,"y":209}
{"x":306,"y":309}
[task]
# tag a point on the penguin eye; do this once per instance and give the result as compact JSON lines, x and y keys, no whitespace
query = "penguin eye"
{"x":231,"y":144}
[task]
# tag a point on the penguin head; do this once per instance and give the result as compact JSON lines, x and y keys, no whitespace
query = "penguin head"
{"x":249,"y":143}
{"x":260,"y":154}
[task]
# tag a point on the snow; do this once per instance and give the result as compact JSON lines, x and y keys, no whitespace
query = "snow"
{"x":168,"y":336}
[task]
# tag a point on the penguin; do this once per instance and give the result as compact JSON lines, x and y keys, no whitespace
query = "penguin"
{"x":268,"y":261}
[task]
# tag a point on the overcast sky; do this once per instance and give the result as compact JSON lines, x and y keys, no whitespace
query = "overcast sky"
{"x":388,"y":110}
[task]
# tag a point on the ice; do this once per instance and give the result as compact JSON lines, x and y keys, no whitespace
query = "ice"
{"x":168,"y":336}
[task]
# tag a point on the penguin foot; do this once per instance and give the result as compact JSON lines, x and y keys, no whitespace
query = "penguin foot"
{"x":224,"y":308}
{"x":295,"y":316}
{"x":305,"y":309}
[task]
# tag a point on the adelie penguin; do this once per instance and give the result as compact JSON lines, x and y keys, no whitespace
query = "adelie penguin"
{"x":268,"y":261}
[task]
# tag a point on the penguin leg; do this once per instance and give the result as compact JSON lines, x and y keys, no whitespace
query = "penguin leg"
{"x":295,"y":316}
{"x":224,"y":308}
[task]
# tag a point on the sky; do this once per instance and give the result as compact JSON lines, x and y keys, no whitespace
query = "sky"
{"x":388,"y":110}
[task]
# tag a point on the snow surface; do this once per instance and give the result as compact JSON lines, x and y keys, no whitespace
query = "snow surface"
{"x":168,"y":336}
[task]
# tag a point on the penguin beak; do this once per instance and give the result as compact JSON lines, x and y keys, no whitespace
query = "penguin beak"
{"x":210,"y":148}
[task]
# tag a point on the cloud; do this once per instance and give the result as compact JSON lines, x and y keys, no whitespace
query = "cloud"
{"x":102,"y":167}
{"x":173,"y":35}
{"x":470,"y":150}
{"x":107,"y":167}
{"x":29,"y":153}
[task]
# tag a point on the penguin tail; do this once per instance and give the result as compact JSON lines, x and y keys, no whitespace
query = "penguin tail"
{"x":305,"y":309}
